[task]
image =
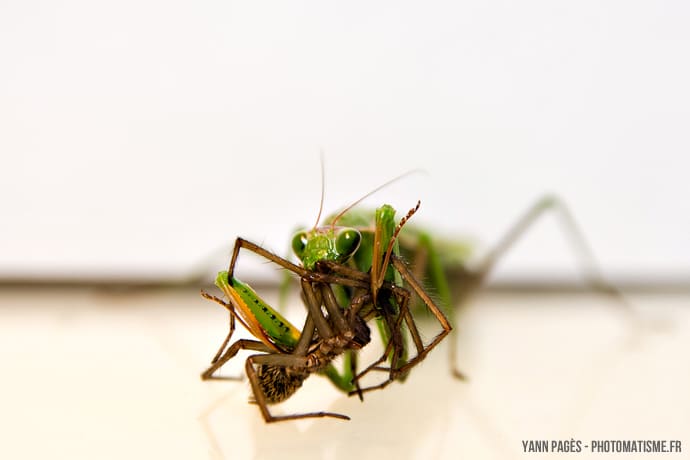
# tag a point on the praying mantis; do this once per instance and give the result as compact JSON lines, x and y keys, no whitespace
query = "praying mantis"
{"x":354,"y":269}
{"x":287,"y":356}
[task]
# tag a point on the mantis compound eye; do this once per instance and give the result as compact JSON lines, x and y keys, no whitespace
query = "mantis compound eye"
{"x":299,"y":243}
{"x":347,"y":242}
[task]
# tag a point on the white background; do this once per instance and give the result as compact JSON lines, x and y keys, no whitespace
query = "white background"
{"x":137,"y":138}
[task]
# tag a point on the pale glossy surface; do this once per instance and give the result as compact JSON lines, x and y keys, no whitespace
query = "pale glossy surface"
{"x":94,"y":374}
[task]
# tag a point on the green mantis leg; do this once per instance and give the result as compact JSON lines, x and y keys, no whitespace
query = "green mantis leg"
{"x":467,"y":281}
{"x":589,"y":267}
{"x":343,"y":381}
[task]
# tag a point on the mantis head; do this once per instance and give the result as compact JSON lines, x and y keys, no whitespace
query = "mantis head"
{"x":336,"y":244}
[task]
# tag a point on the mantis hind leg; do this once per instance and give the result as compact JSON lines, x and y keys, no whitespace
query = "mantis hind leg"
{"x":591,"y":272}
{"x":589,"y":268}
{"x":466,"y":282}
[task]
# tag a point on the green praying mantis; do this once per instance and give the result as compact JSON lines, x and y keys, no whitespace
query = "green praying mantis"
{"x":354,"y":270}
{"x":340,"y":300}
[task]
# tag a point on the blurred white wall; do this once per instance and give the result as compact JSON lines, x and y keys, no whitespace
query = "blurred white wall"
{"x":138,"y":137}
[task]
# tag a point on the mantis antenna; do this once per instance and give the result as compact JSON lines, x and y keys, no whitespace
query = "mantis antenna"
{"x":386,"y":184}
{"x":323,"y":192}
